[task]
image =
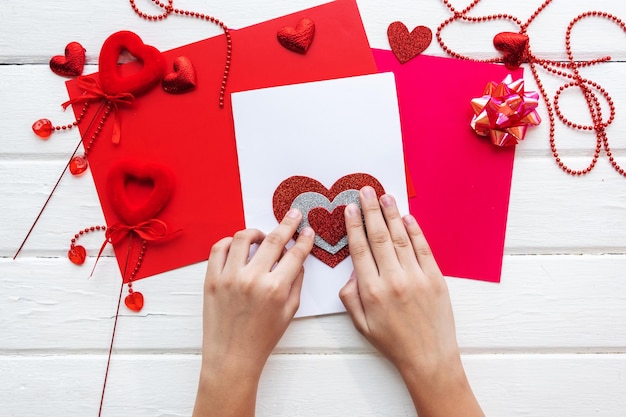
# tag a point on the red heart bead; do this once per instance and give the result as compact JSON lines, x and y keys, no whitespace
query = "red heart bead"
{"x":134,"y":301}
{"x":182,"y":79}
{"x":77,"y":254}
{"x":113,"y":78}
{"x":513,"y":46}
{"x":43,"y":128}
{"x":330,"y":226}
{"x":405,"y":45}
{"x":297,"y":39}
{"x":78,"y":165}
{"x":72,"y":64}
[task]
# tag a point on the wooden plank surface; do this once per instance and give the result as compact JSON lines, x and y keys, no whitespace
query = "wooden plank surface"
{"x":548,"y":341}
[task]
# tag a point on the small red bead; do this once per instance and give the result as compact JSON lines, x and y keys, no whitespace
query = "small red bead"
{"x":43,"y":128}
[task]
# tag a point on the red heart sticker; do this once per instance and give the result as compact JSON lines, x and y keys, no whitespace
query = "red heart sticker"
{"x":329,"y":225}
{"x":182,"y":79}
{"x":139,"y":191}
{"x":72,"y":63}
{"x":405,"y":45}
{"x":513,"y":46}
{"x":134,"y":301}
{"x":138,"y":81}
{"x":297,"y":39}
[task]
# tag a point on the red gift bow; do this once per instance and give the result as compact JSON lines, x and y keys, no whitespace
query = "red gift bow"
{"x":92,"y":90}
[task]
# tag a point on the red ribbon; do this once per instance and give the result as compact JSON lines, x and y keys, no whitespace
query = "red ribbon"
{"x":153,"y":229}
{"x":92,"y":90}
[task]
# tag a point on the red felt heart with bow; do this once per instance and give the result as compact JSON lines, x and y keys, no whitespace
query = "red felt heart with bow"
{"x":407,"y":45}
{"x":328,"y":225}
{"x":182,"y":79}
{"x":514,"y":47}
{"x":72,"y":63}
{"x":137,"y":82}
{"x":139,"y":191}
{"x":297,"y":39}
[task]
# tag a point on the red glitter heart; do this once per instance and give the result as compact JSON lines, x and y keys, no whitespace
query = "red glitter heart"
{"x":77,"y":254}
{"x":405,"y":45}
{"x":514,"y":47}
{"x":136,"y":82}
{"x":70,"y":65}
{"x":134,"y":301}
{"x":288,"y":190}
{"x":139,"y":191}
{"x":329,"y":226}
{"x":297,"y":39}
{"x":182,"y":79}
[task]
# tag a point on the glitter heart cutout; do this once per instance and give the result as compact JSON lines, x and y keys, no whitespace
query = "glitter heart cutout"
{"x":72,"y":63}
{"x":182,"y":79}
{"x":137,"y":81}
{"x":134,"y":301}
{"x":307,"y":194}
{"x":407,"y":45}
{"x":329,"y":225}
{"x":139,"y":191}
{"x":514,"y":47}
{"x":297,"y":39}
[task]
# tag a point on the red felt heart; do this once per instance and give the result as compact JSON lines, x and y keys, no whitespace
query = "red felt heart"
{"x":139,"y":191}
{"x":70,"y":65}
{"x":405,"y":45}
{"x":137,"y":82}
{"x":182,"y":79}
{"x":134,"y":301}
{"x":514,"y":46}
{"x":297,"y":39}
{"x":288,"y":190}
{"x":330,"y":226}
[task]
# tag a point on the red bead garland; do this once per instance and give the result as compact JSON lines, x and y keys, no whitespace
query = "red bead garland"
{"x":590,"y":89}
{"x":169,"y":9}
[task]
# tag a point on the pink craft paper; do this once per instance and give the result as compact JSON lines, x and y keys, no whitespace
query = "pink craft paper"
{"x":462,"y":182}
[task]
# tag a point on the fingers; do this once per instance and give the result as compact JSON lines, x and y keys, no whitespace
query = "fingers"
{"x":272,"y":247}
{"x":293,"y":300}
{"x":291,"y":262}
{"x":421,"y":248}
{"x":362,"y":258}
{"x":239,"y":250}
{"x":351,"y":300}
{"x":217,"y":258}
{"x":398,"y":232}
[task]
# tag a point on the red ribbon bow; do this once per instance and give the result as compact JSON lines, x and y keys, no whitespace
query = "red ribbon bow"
{"x":92,"y":90}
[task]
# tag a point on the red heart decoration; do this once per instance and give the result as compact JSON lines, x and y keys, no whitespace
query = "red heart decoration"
{"x":70,"y":65}
{"x":77,"y":254}
{"x":297,"y":39}
{"x":405,"y":45}
{"x":182,"y":79}
{"x":139,"y":191}
{"x":134,"y":301}
{"x":288,"y":190}
{"x":514,"y":46}
{"x":113,"y":82}
{"x":330,"y":226}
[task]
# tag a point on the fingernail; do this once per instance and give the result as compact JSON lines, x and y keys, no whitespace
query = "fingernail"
{"x":353,"y":210}
{"x":307,"y":231}
{"x":387,"y":201}
{"x":368,"y":192}
{"x":294,"y":213}
{"x":409,"y":219}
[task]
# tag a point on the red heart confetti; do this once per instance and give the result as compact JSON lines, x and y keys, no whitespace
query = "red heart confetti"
{"x":182,"y":79}
{"x":297,"y":39}
{"x":405,"y":45}
{"x":330,"y":226}
{"x":514,"y":46}
{"x":134,"y":301}
{"x":70,"y":65}
{"x":77,"y":254}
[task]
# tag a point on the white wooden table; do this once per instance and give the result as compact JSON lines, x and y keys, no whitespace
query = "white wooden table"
{"x":549,"y":341}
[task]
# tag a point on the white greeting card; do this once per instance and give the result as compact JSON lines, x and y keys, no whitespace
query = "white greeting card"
{"x":323,"y":130}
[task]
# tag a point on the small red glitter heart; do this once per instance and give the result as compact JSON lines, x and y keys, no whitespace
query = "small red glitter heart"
{"x":405,"y":45}
{"x":70,"y":65}
{"x":329,"y":226}
{"x":134,"y":301}
{"x":77,"y":255}
{"x":514,"y":47}
{"x":297,"y":39}
{"x":182,"y":79}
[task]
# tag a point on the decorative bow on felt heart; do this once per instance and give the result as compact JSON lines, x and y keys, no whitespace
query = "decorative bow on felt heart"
{"x":322,"y":209}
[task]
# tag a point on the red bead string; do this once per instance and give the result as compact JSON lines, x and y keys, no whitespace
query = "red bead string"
{"x":569,"y":70}
{"x":169,"y":9}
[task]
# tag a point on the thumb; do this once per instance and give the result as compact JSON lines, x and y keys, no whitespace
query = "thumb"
{"x":351,"y":300}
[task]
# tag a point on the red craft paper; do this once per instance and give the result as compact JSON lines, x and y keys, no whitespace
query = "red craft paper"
{"x":462,"y":182}
{"x":191,"y":134}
